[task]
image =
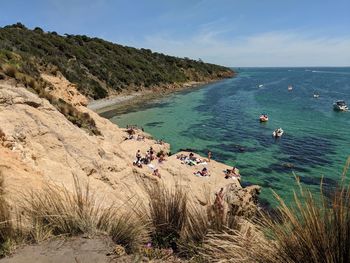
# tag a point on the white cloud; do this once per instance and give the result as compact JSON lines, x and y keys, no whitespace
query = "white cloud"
{"x":266,"y":49}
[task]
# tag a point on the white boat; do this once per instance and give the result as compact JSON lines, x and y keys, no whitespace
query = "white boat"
{"x":340,"y":105}
{"x":316,"y":95}
{"x":290,"y":88}
{"x":277,"y":133}
{"x":261,"y":85}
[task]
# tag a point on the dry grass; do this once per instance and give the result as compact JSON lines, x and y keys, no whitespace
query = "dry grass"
{"x":7,"y":231}
{"x":55,"y":211}
{"x":167,"y":213}
{"x":129,"y":231}
{"x":178,"y":222}
{"x":312,"y":229}
{"x":10,"y":70}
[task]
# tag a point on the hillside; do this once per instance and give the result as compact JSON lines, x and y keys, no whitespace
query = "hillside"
{"x":98,"y":67}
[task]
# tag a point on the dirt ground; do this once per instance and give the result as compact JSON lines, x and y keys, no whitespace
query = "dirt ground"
{"x":75,"y":250}
{"x":100,"y":249}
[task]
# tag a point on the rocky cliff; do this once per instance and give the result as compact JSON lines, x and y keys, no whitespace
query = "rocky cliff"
{"x":39,"y":144}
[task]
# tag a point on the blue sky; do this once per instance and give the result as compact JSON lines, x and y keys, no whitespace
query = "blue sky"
{"x":228,"y":32}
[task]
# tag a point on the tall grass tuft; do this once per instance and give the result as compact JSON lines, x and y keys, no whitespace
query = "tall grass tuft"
{"x":311,"y":229}
{"x":129,"y":231}
{"x":55,"y":211}
{"x":62,"y":212}
{"x":6,"y":226}
{"x":167,"y":213}
{"x":180,"y":223}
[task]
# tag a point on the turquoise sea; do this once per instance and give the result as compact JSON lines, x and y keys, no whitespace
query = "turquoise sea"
{"x":223,"y":118}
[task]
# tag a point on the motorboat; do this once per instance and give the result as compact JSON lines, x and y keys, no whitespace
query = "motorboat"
{"x":277,"y":133}
{"x":340,"y":105}
{"x":263,"y":118}
{"x":290,"y":88}
{"x":261,"y":85}
{"x":316,"y":95}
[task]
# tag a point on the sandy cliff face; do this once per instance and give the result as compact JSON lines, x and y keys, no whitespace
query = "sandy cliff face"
{"x":38,"y":144}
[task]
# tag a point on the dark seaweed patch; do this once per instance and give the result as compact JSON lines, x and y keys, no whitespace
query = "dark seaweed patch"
{"x":282,"y":168}
{"x":236,"y":148}
{"x":267,"y":184}
{"x":154,"y":124}
{"x":327,"y":182}
{"x":272,"y":179}
{"x":246,"y":184}
{"x":265,"y":170}
{"x":189,"y":150}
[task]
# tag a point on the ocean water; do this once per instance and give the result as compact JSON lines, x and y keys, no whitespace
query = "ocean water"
{"x":223,"y":118}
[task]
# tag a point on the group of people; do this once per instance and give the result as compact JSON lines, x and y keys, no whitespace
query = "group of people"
{"x":190,"y":159}
{"x":148,"y":158}
{"x":131,"y":131}
{"x":139,"y":137}
{"x":133,"y":127}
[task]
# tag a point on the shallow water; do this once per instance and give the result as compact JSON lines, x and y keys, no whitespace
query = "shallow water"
{"x":223,"y":117}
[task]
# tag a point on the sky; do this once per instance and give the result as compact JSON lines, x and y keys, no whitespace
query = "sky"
{"x":239,"y":33}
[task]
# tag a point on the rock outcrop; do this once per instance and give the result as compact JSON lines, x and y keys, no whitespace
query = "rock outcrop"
{"x":38,"y":144}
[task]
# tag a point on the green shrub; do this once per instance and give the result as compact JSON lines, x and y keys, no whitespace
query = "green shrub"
{"x":97,"y":66}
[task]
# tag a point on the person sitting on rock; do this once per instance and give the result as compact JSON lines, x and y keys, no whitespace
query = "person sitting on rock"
{"x":204,"y":172}
{"x":192,"y":157}
{"x":138,"y":162}
{"x":156,"y":173}
{"x":151,"y":153}
{"x":232,"y":173}
{"x":161,"y":158}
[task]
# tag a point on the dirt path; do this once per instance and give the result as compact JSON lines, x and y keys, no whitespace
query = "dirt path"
{"x":73,"y":250}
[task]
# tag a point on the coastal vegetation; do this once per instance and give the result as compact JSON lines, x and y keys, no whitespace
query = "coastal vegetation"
{"x":97,"y":66}
{"x":21,"y":71}
{"x":169,"y":223}
{"x":312,"y":228}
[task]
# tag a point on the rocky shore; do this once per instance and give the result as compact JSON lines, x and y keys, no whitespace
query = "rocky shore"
{"x":38,"y":144}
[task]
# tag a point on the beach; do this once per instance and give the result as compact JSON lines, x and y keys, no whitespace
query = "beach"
{"x":115,"y":101}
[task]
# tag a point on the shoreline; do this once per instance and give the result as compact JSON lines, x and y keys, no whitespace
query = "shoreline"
{"x":106,"y":105}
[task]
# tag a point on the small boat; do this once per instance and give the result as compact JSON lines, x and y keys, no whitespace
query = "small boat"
{"x":277,"y":133}
{"x":290,"y":88}
{"x":316,"y":95}
{"x":263,"y":118}
{"x":261,"y":85}
{"x":340,"y":105}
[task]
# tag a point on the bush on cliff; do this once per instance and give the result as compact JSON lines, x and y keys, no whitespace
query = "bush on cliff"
{"x":98,"y":66}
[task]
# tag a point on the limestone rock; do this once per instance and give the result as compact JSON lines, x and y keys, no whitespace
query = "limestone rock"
{"x":38,"y":144}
